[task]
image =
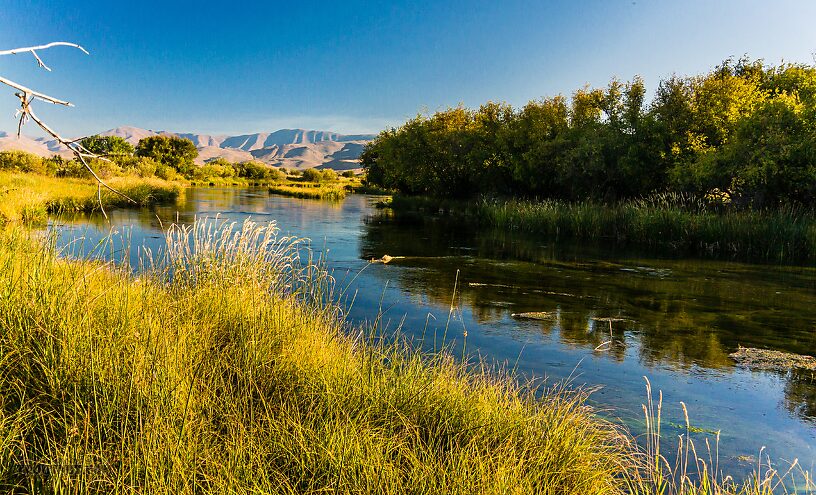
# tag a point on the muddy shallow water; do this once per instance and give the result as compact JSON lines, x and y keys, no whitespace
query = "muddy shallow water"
{"x":611,"y":317}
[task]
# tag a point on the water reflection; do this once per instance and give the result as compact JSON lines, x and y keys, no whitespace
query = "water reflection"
{"x":683,"y":312}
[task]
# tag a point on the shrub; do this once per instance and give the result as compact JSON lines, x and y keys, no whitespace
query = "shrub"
{"x":23,"y":162}
{"x":328,"y":175}
{"x":275,"y":174}
{"x":252,"y":170}
{"x":166,"y":172}
{"x":146,"y":167}
{"x":312,"y":175}
{"x":169,"y":150}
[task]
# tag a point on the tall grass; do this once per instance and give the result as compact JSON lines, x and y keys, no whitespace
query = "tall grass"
{"x":310,"y":190}
{"x":697,"y":472}
{"x":666,"y":224}
{"x":219,"y":369}
{"x":29,"y":197}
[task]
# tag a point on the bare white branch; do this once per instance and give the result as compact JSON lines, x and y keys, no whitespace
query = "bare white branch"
{"x":79,"y":151}
{"x":28,"y":95}
{"x":15,"y":51}
{"x":35,"y":94}
{"x":40,"y":62}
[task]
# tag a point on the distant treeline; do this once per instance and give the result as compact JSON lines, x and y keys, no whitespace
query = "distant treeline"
{"x":745,"y":134}
{"x":165,"y":157}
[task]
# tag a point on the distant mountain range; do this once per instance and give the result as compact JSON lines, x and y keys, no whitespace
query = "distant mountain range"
{"x":290,"y":148}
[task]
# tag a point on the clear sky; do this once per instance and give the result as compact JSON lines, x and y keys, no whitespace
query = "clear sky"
{"x":355,"y":66}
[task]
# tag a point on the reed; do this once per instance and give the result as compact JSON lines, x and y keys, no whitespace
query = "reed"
{"x":697,"y":472}
{"x":668,"y":223}
{"x":310,"y":190}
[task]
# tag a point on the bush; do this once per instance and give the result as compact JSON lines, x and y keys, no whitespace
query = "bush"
{"x":166,"y":172}
{"x":73,"y":168}
{"x":312,"y":175}
{"x":348,"y":174}
{"x":24,"y":162}
{"x":252,"y":170}
{"x":170,"y":151}
{"x":328,"y":175}
{"x":275,"y":174}
{"x":146,"y":167}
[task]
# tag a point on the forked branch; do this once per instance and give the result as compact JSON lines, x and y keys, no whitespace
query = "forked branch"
{"x":28,"y":95}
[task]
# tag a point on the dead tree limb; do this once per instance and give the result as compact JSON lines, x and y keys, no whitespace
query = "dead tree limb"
{"x":28,"y":95}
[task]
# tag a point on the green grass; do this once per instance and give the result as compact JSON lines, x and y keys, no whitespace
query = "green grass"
{"x":371,"y":189}
{"x":225,"y":378}
{"x":29,"y":198}
{"x":663,"y":224}
{"x":310,"y":190}
{"x":332,"y":190}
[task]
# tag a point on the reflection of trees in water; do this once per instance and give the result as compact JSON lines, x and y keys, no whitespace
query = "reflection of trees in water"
{"x":201,"y":202}
{"x":683,"y":313}
{"x":800,"y":394}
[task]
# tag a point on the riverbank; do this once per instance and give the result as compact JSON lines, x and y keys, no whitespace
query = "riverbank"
{"x":785,"y":235}
{"x":220,"y":378}
{"x":310,"y":190}
{"x":30,"y":197}
{"x":335,"y":189}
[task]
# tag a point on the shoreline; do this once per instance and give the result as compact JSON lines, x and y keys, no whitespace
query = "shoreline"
{"x":783,"y":236}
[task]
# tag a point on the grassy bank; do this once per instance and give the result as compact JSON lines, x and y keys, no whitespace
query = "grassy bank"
{"x":310,"y":190}
{"x":29,"y":198}
{"x":223,"y":378}
{"x":666,"y":224}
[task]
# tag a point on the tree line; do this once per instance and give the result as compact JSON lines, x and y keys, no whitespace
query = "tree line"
{"x":165,"y":157}
{"x":744,"y":133}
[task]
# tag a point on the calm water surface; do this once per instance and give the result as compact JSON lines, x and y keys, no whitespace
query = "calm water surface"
{"x":676,"y":321}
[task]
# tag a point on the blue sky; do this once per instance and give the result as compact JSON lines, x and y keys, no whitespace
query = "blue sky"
{"x":240,"y":67}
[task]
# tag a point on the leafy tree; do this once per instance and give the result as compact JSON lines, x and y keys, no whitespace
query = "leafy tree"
{"x":328,"y":175}
{"x":743,"y":128}
{"x":252,"y":170}
{"x":312,"y":175}
{"x":170,"y":151}
{"x":110,"y":146}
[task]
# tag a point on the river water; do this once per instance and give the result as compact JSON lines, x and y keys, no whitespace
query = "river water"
{"x":615,"y":317}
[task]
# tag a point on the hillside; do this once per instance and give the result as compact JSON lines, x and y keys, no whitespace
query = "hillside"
{"x":290,"y":148}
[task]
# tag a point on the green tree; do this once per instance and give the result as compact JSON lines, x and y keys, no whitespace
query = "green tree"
{"x":252,"y":170}
{"x":170,"y":151}
{"x":312,"y":175}
{"x":108,"y":146}
{"x":742,"y":128}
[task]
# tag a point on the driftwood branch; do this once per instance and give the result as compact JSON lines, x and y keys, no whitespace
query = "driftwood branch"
{"x":28,"y":95}
{"x":33,"y":49}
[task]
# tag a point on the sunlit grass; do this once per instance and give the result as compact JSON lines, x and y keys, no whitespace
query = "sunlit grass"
{"x":310,"y":190}
{"x":30,"y":197}
{"x":219,"y":370}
